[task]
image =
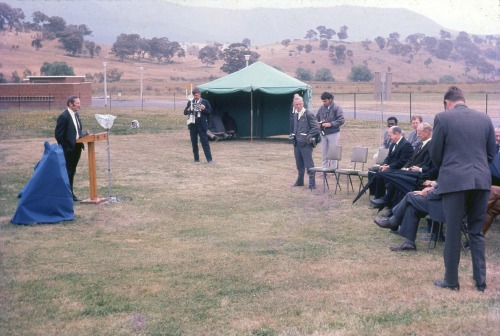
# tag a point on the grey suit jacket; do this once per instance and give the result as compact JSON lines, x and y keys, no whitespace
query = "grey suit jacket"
{"x":463,"y":145}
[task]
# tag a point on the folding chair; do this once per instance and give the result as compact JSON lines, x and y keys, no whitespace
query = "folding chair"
{"x":381,"y":155}
{"x":334,"y":153}
{"x":359,"y":155}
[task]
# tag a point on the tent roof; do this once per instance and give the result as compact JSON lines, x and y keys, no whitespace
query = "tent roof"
{"x":256,"y":77}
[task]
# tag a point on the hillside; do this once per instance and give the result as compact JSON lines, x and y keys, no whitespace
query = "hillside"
{"x":16,"y":54}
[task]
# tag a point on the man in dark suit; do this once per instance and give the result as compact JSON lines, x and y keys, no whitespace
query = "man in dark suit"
{"x":418,"y":169}
{"x":305,"y":128}
{"x":68,"y":130}
{"x":463,"y":144}
{"x":400,"y":151}
{"x":407,"y":214}
{"x":198,"y":111}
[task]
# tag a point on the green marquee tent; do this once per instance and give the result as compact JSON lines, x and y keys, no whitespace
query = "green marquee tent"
{"x":258,"y":97}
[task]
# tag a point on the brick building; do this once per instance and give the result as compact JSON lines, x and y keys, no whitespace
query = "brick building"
{"x":45,"y":92}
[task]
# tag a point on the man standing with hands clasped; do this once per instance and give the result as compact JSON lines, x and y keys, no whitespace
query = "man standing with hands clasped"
{"x":198,"y":111}
{"x":463,"y":144}
{"x":68,"y":130}
{"x":330,"y":117}
{"x":305,"y":128}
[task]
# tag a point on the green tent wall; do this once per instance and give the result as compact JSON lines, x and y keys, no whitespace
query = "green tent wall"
{"x":258,"y":97}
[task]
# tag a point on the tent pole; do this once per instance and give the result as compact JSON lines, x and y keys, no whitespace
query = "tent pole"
{"x":251,"y":115}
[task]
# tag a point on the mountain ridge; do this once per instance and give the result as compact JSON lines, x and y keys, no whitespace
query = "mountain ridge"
{"x":202,"y":24}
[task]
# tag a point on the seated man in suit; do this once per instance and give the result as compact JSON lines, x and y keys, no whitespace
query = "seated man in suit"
{"x":407,"y":214}
{"x":400,"y":151}
{"x":419,"y":167}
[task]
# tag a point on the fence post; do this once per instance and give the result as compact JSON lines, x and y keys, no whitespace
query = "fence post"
{"x":19,"y":100}
{"x":410,"y":106}
{"x":354,"y":105}
{"x":486,"y":103}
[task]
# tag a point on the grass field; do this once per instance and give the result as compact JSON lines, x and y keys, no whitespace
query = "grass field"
{"x":222,"y":249}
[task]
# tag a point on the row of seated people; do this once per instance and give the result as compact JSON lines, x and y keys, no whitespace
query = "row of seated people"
{"x":406,"y":184}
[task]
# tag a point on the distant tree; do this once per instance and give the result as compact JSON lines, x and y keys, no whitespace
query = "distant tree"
{"x":209,"y":54}
{"x":430,"y":44}
{"x":350,"y":55}
{"x":37,"y":43}
{"x":114,"y":75}
{"x":393,"y":44}
{"x":56,"y":69}
{"x":427,"y":62}
{"x":308,"y":48}
{"x":27,"y":73}
{"x":15,"y":77}
{"x":286,"y":42}
{"x":323,"y":44}
{"x":71,"y":42}
{"x":311,"y":35}
{"x":360,"y":73}
{"x":2,"y":78}
{"x":342,"y":34}
{"x":324,"y":75}
{"x":39,"y":19}
{"x":478,"y":39}
{"x":303,"y":74}
{"x":366,"y":44}
{"x":125,"y":45}
{"x":158,"y":48}
{"x":405,"y":50}
{"x":90,"y":46}
{"x":337,"y":54}
{"x":446,"y":79}
{"x":444,"y":49}
{"x":485,"y":68}
{"x":444,"y":35}
{"x":246,"y":41}
{"x":380,"y":42}
{"x":10,"y":17}
{"x":234,"y":57}
{"x":299,"y":48}
{"x":97,"y":50}
{"x":491,"y":54}
{"x":56,"y":24}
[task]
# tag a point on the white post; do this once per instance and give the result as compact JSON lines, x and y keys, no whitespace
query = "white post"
{"x":247,"y":58}
{"x":105,"y":86}
{"x":142,"y":97}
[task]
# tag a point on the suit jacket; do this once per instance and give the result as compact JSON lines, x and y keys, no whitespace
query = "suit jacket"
{"x":204,"y":113}
{"x":65,"y":132}
{"x":305,"y":128}
{"x":463,"y":145}
{"x":398,"y":157}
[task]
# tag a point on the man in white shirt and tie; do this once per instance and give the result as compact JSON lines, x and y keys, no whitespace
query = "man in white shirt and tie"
{"x":68,"y":131}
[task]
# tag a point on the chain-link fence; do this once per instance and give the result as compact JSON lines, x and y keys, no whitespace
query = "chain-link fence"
{"x":355,"y":105}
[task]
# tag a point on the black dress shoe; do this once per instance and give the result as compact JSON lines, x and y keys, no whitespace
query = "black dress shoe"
{"x":406,"y":246}
{"x":444,"y":284}
{"x":378,"y":202}
{"x":298,"y":184}
{"x":384,"y":223}
{"x":481,"y":287}
{"x":76,"y":199}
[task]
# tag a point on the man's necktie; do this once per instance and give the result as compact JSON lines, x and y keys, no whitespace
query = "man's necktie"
{"x":78,"y":125}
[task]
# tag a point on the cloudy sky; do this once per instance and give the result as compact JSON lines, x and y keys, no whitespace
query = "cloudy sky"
{"x":472,"y":16}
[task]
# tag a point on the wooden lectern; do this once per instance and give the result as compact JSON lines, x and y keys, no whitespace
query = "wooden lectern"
{"x":90,"y":140}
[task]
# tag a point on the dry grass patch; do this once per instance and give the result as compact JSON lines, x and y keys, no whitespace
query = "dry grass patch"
{"x":227,"y":249}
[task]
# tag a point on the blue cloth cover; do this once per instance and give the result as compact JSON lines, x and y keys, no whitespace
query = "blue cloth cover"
{"x":46,"y":198}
